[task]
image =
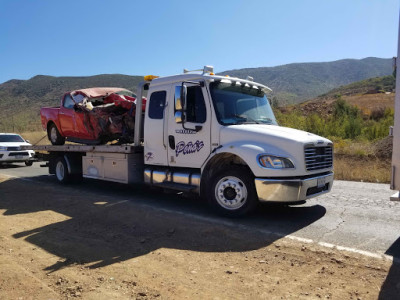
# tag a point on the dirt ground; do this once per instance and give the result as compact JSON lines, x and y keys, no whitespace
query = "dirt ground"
{"x":59,"y":242}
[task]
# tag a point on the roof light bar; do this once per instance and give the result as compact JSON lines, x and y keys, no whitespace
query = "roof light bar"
{"x":206,"y":70}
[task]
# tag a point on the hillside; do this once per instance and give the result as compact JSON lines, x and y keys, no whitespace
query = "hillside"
{"x":20,"y":100}
{"x":356,"y":117}
{"x":368,"y":86}
{"x":371,"y":96}
{"x":294,"y":83}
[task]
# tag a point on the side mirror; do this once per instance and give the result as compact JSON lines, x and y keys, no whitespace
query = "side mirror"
{"x":184,"y":96}
{"x":180,"y":97}
{"x":179,"y":117}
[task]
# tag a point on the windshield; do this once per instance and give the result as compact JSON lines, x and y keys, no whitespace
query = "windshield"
{"x":10,"y":138}
{"x":240,"y":104}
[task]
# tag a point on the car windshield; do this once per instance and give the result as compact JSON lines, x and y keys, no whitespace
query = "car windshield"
{"x":238,"y":103}
{"x":11,"y":138}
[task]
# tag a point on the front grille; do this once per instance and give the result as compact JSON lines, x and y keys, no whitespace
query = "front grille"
{"x":318,"y":158}
{"x":18,"y":153}
{"x":13,"y":148}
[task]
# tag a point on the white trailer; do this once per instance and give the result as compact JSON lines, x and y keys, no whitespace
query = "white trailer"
{"x":211,"y":135}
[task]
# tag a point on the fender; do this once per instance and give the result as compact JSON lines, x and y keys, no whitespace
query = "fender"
{"x":249,"y":152}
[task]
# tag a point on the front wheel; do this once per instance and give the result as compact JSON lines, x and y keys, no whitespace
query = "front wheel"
{"x":28,"y":163}
{"x":232,"y":192}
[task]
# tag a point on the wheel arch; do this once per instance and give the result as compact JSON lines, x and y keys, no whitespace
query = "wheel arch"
{"x":51,"y":122}
{"x":218,"y":161}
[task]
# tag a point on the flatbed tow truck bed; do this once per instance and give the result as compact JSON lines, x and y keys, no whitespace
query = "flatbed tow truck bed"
{"x":118,"y":163}
{"x":89,"y":148}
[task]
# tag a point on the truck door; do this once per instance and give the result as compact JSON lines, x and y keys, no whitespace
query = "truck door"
{"x":66,"y":116}
{"x":83,"y":127}
{"x":188,"y":147}
{"x":155,"y":146}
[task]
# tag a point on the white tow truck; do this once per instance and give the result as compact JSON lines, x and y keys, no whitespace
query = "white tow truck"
{"x":212,"y":135}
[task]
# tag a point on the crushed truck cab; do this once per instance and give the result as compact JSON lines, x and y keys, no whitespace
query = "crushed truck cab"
{"x":216,"y":136}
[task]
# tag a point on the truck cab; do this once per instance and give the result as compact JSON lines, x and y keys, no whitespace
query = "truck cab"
{"x":218,"y":136}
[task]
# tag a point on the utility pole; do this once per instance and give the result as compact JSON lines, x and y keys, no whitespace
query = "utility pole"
{"x":395,"y":131}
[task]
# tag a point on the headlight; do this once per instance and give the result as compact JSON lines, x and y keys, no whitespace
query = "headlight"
{"x":275,"y":162}
{"x":2,"y":148}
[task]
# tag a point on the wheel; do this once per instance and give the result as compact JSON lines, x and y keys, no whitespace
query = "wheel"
{"x":61,"y":170}
{"x":54,"y":135}
{"x":28,"y":163}
{"x":232,"y":192}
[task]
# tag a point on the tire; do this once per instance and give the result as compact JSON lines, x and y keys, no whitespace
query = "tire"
{"x":54,"y":135}
{"x":61,"y":171}
{"x":28,"y":163}
{"x":232,"y":192}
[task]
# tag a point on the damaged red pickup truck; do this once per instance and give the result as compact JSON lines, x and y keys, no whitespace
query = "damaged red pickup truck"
{"x":92,"y":116}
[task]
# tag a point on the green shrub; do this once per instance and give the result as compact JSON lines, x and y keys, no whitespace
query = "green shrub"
{"x":345,"y":122}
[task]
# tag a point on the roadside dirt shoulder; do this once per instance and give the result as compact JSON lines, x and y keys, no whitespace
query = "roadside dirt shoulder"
{"x":58,"y":243}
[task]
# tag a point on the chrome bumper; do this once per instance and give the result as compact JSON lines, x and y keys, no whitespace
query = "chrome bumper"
{"x":292,"y":190}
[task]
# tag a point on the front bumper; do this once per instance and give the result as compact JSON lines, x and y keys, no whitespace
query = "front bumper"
{"x":293,"y":190}
{"x":16,"y":156}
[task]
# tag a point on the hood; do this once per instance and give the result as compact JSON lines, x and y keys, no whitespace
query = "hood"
{"x":97,"y":92}
{"x":250,"y":140}
{"x":14,"y":144}
{"x":270,"y":134}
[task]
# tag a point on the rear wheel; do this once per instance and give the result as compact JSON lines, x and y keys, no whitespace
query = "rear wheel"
{"x":54,"y":135}
{"x":28,"y":163}
{"x":61,"y":170}
{"x":232,"y":192}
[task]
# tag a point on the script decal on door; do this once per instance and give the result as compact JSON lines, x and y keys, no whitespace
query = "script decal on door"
{"x":188,"y":148}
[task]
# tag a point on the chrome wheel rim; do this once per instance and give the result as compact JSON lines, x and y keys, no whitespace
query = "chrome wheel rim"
{"x":60,"y":171}
{"x":53,"y":134}
{"x":231,"y":193}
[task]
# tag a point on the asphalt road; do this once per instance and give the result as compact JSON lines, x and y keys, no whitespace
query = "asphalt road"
{"x":355,"y":215}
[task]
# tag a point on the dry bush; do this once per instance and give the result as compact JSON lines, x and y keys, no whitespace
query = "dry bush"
{"x":353,"y":148}
{"x":36,"y":137}
{"x":371,"y":102}
{"x":368,"y":169}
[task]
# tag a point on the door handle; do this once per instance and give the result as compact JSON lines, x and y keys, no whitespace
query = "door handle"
{"x":171,"y":140}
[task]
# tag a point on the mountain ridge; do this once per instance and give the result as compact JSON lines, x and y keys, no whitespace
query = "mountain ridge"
{"x":297,"y":82}
{"x":20,"y":100}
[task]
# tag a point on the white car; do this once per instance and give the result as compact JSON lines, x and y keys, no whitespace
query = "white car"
{"x":10,"y":149}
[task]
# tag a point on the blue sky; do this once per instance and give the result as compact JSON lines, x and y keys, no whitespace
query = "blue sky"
{"x":79,"y":38}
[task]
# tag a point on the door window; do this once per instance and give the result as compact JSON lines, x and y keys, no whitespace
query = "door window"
{"x":157,"y":104}
{"x":68,"y":102}
{"x":195,"y":106}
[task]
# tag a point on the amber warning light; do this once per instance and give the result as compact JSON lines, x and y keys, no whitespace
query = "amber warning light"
{"x":150,"y":77}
